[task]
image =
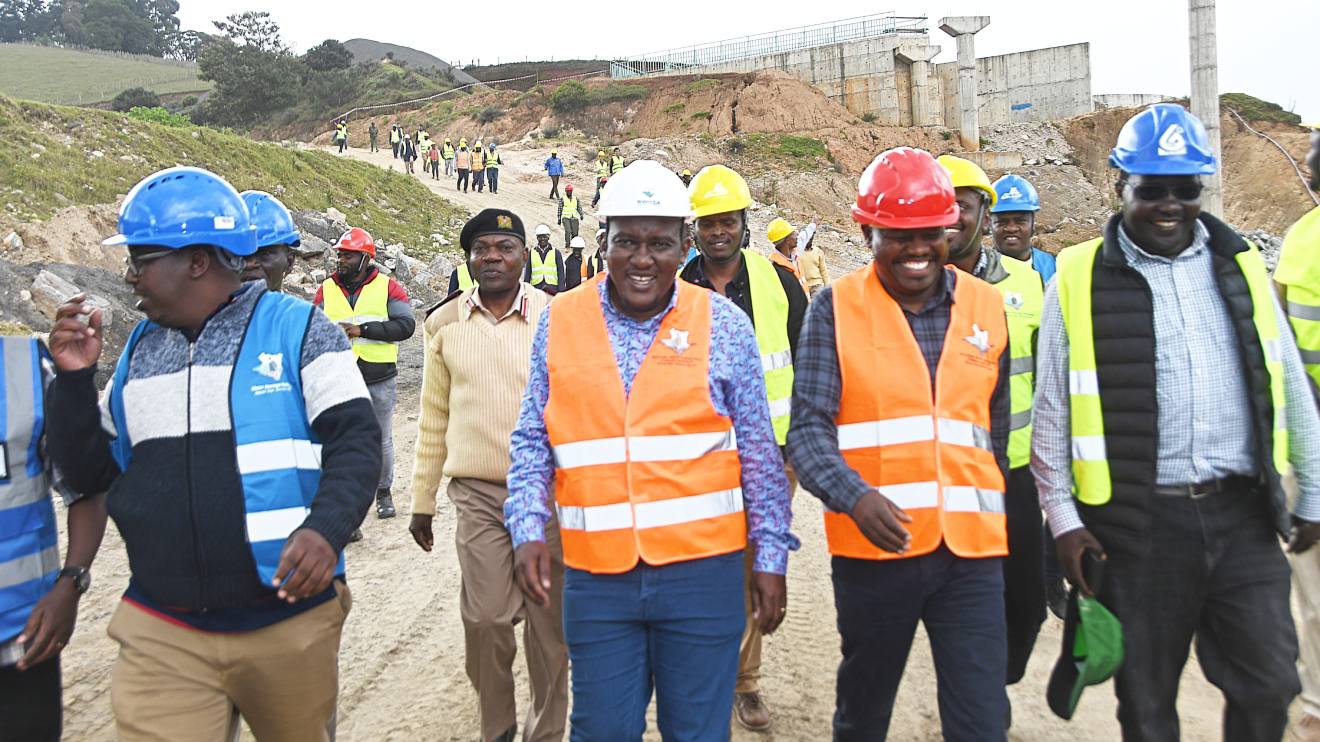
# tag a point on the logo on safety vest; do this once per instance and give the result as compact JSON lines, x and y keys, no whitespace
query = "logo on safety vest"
{"x":1173,"y":142}
{"x":678,"y":341}
{"x":1013,"y":300}
{"x":980,"y":339}
{"x":1013,"y":192}
{"x":272,"y":365}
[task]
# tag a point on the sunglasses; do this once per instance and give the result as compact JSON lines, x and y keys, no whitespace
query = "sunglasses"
{"x":1157,"y":192}
{"x":133,"y":264}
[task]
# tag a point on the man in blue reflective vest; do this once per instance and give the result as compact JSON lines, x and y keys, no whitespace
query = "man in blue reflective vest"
{"x":238,"y":451}
{"x":38,"y":599}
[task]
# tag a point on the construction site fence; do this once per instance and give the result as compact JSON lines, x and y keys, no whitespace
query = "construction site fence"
{"x":769,"y":43}
{"x":418,"y":102}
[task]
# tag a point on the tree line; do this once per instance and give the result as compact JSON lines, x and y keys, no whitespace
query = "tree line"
{"x":133,"y":26}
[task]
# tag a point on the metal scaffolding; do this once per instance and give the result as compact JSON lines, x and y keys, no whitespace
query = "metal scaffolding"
{"x":765,"y":44}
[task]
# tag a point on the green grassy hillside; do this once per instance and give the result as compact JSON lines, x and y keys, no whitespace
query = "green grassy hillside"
{"x":56,"y":156}
{"x":53,"y":75}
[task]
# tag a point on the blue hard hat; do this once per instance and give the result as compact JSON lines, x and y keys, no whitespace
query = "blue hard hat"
{"x":183,"y":206}
{"x":1015,"y":193}
{"x":1164,"y":139}
{"x":273,"y":221}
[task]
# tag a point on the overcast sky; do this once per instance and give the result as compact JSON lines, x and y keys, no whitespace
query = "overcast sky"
{"x":1266,"y":47}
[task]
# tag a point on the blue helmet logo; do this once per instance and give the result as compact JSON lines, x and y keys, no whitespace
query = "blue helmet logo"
{"x":1015,"y":193}
{"x":1164,"y":139}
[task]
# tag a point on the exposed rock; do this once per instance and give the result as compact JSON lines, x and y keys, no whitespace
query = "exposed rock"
{"x":319,"y":225}
{"x":49,"y":291}
{"x":441,"y":266}
{"x":336,"y":215}
{"x":13,"y":241}
{"x":1269,"y":245}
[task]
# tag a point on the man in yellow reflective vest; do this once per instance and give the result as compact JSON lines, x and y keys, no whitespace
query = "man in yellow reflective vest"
{"x":376,"y":314}
{"x":570,"y":214}
{"x":602,"y":174}
{"x":1170,"y":400}
{"x":1297,"y":280}
{"x":396,"y":138}
{"x":774,"y":300}
{"x":616,"y":161}
{"x":447,"y":154}
{"x":545,"y":265}
{"x":1023,"y":290}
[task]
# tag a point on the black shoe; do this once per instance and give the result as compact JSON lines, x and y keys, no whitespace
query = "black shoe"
{"x":355,"y":536}
{"x":1008,"y":716}
{"x":509,"y":734}
{"x":384,"y":504}
{"x":1056,"y":597}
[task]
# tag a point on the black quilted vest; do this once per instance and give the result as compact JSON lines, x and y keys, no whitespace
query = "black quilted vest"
{"x":1122,"y":316}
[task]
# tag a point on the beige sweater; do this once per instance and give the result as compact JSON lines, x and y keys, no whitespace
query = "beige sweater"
{"x":473,"y":376}
{"x":812,"y":264}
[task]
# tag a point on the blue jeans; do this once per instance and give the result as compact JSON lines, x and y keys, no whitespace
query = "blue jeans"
{"x":961,"y":603}
{"x":674,"y":629}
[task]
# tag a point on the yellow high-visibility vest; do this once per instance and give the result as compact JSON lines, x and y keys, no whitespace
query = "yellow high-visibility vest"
{"x":1024,"y":299}
{"x":544,"y":269}
{"x":571,"y":208}
{"x":372,"y":306}
{"x":770,"y":316}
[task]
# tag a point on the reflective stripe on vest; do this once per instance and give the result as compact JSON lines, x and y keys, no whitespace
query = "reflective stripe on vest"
{"x":770,"y":316}
{"x":651,"y":475}
{"x":1092,"y":482}
{"x":544,"y":268}
{"x":1024,"y":299}
{"x":1302,"y":244}
{"x":930,"y":454}
{"x":571,"y":208}
{"x":465,"y":281}
{"x":372,"y":306}
{"x":29,"y":549}
{"x":276,"y":451}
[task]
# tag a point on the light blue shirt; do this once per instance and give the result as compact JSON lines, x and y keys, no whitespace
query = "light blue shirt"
{"x":1204,"y":415}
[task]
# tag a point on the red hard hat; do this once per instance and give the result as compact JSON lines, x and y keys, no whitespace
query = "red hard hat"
{"x":904,"y":188}
{"x":357,"y":239}
{"x":568,"y":188}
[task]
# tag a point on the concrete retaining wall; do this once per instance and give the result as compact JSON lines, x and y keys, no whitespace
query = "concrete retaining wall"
{"x":1130,"y":100}
{"x":1037,"y":85}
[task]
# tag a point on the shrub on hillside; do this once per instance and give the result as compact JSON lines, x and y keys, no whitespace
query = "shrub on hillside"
{"x":133,"y":98}
{"x":617,"y":91}
{"x":158,"y":115}
{"x":570,"y":96}
{"x":1255,"y":109}
{"x":489,"y":114}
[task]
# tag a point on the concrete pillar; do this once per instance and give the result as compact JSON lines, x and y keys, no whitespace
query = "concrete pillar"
{"x":919,"y":56}
{"x":963,"y":29}
{"x":1205,"y":94}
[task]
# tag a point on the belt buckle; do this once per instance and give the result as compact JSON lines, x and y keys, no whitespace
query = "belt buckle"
{"x":1193,"y":494}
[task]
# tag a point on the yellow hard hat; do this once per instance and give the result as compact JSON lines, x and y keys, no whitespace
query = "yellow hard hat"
{"x":779,"y":229}
{"x":718,"y":190}
{"x":687,"y":172}
{"x":600,"y":153}
{"x":967,"y":174}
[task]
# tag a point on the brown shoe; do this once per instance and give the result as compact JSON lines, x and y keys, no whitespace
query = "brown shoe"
{"x":750,"y":712}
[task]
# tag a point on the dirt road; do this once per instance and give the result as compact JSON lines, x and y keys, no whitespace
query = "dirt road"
{"x":401,"y":666}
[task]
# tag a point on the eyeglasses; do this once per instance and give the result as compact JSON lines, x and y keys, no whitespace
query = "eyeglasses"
{"x":1159,"y":192}
{"x":133,"y":264}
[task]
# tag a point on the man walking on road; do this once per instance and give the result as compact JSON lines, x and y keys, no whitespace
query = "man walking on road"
{"x":1170,"y":399}
{"x":545,"y":266}
{"x":476,"y":363}
{"x":396,"y":138}
{"x":493,"y":163}
{"x":206,"y":445}
{"x":811,"y":260}
{"x":900,"y":426}
{"x":447,"y":153}
{"x":1023,"y":291}
{"x":479,"y":168}
{"x":554,"y":167}
{"x":375,"y":312}
{"x":570,"y":214}
{"x":658,"y":474}
{"x":1013,"y":223}
{"x":773,"y":300}
{"x":372,"y":132}
{"x":602,"y":165}
{"x":1297,"y":280}
{"x":463,"y":160}
{"x":408,"y":150}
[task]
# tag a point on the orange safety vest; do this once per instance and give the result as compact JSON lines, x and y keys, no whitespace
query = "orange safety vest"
{"x":653,"y":474}
{"x":929,"y":454}
{"x":778,"y":257}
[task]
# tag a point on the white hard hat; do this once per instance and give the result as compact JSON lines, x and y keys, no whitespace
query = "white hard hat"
{"x":578,"y":242}
{"x":600,"y":232}
{"x":645,"y":188}
{"x":542,"y":229}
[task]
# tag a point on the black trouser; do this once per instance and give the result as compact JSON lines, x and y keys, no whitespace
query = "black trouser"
{"x":479,"y":179}
{"x":342,"y":144}
{"x":374,"y":148}
{"x":1024,"y":571}
{"x":462,"y":179}
{"x":395,"y":145}
{"x":1214,"y":571}
{"x":435,"y":169}
{"x":493,"y":177}
{"x":31,"y":703}
{"x":554,"y":186}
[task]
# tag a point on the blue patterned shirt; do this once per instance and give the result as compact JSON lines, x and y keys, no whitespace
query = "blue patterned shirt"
{"x":737,"y":390}
{"x":1204,"y":416}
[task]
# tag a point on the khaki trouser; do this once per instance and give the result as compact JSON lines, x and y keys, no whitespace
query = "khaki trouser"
{"x":749,"y":655}
{"x":173,"y":683}
{"x":1306,"y":583}
{"x":491,"y":605}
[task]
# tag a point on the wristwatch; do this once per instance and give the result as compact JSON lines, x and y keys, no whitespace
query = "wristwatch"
{"x":82,"y":578}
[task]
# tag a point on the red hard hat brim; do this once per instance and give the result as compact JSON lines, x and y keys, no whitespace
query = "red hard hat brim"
{"x":918,"y":222}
